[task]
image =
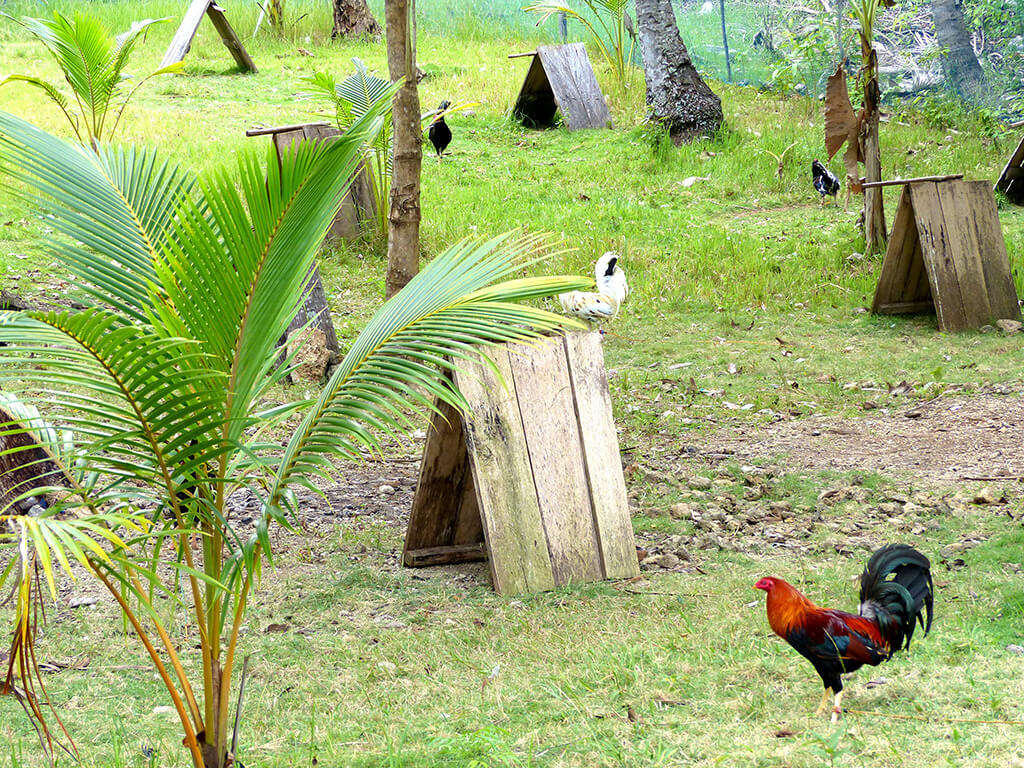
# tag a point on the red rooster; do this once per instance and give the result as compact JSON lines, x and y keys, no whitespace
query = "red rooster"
{"x":836,"y":642}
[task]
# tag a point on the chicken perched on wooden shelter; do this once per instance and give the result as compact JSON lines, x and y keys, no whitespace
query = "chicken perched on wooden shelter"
{"x":612,"y":290}
{"x":440,"y":134}
{"x":825,"y":182}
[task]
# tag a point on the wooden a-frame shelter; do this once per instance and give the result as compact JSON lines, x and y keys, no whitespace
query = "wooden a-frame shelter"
{"x":946,"y":254}
{"x":182,"y":41}
{"x":1011,"y":180}
{"x":532,"y":480}
{"x":561,"y":77}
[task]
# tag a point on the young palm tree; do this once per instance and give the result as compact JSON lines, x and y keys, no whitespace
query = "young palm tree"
{"x":153,"y":398}
{"x":93,"y":65}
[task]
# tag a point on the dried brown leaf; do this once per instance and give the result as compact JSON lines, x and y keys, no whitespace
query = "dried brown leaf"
{"x":841,"y":123}
{"x":850,"y":157}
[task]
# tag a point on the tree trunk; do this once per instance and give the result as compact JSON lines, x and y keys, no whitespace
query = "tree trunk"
{"x":676,"y":94}
{"x":352,"y":18}
{"x":959,"y":64}
{"x":875,"y":232}
{"x":404,"y":214}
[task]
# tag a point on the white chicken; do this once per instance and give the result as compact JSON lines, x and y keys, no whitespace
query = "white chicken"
{"x":604,"y":304}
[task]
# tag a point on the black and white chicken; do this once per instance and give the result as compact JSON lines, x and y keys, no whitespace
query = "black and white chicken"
{"x":603,"y":304}
{"x":826,"y":182}
{"x":440,"y":134}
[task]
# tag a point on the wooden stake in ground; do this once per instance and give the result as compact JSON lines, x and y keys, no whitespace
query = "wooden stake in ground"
{"x":404,"y":216}
{"x":676,"y":94}
{"x":182,"y":41}
{"x":352,"y":18}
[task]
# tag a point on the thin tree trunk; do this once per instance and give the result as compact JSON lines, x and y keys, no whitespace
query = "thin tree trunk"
{"x":352,"y":18}
{"x":404,"y":215}
{"x":875,"y":231}
{"x":676,"y":94}
{"x":959,"y":64}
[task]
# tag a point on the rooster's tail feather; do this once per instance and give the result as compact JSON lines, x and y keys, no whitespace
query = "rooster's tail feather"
{"x":897,"y":604}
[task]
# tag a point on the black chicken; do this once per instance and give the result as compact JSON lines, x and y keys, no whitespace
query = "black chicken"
{"x":826,"y":182}
{"x":440,"y":134}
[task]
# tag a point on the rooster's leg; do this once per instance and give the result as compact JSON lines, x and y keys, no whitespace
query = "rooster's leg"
{"x":823,"y":707}
{"x":837,"y":710}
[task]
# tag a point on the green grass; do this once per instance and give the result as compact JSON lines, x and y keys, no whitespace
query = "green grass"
{"x":378,"y":666}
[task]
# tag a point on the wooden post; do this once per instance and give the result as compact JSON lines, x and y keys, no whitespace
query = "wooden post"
{"x":725,"y":41}
{"x":182,"y":41}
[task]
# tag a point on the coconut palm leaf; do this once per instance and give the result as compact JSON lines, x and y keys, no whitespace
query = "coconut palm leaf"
{"x":137,"y":403}
{"x":92,"y":63}
{"x":363,"y":90}
{"x":442,"y":315}
{"x":250,"y":248}
{"x":116,"y":206}
{"x":155,"y":393}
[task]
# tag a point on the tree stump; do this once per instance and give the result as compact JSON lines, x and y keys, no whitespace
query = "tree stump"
{"x":352,"y":18}
{"x":676,"y":94}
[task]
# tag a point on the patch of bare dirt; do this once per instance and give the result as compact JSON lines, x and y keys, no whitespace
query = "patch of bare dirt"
{"x":942,"y":440}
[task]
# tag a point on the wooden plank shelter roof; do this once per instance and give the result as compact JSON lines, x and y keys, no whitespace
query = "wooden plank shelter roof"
{"x":560,"y":77}
{"x":947,"y":254}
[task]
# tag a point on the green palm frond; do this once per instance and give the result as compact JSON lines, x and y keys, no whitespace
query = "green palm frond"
{"x":361,"y":94}
{"x":92,"y":63}
{"x":116,"y":206}
{"x":154,"y":394}
{"x":363,"y":90}
{"x":443,"y":314}
{"x":250,"y":246}
{"x":144,"y":410}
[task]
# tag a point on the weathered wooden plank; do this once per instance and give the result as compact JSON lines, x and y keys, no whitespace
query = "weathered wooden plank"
{"x":503,"y":478}
{"x":544,"y":393}
{"x":903,"y":182}
{"x":962,"y":242}
{"x":904,"y":308}
{"x":182,"y":40}
{"x":460,"y":553}
{"x":1010,"y":181}
{"x":445,"y":484}
{"x":229,"y":38}
{"x":574,"y":85}
{"x":602,"y":464}
{"x":283,"y":129}
{"x":893,"y":278}
{"x":999,"y":286}
{"x":942,"y":277}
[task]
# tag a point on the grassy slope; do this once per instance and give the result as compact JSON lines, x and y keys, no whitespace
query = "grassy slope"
{"x":719,"y":270}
